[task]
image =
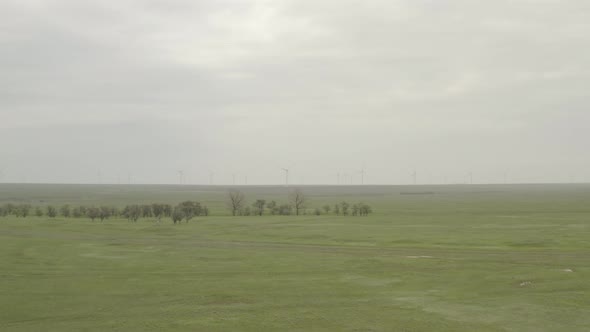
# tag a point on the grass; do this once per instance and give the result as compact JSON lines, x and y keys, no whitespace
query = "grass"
{"x":468,"y":258}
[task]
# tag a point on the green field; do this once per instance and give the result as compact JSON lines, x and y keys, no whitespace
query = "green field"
{"x":466,"y":258}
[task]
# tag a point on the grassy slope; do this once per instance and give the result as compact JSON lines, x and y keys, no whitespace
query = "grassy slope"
{"x":470,"y":258}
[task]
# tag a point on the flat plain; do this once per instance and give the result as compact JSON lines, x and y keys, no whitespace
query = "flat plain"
{"x":430,"y":258}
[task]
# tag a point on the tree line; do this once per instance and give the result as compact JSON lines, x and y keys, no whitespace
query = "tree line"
{"x":236,"y":203}
{"x":184,"y":211}
{"x":297,"y":204}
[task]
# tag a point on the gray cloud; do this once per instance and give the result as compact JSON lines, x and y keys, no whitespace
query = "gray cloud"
{"x":247,"y":87}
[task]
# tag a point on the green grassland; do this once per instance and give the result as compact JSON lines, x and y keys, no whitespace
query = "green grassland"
{"x":464,"y":258}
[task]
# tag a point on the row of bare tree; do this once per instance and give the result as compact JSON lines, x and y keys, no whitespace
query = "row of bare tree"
{"x":297,"y":204}
{"x":236,"y":201}
{"x":183,"y":211}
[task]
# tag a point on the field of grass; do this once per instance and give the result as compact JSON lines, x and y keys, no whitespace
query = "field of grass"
{"x":465,"y":258}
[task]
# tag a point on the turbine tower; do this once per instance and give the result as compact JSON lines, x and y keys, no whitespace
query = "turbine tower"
{"x":362,"y":172}
{"x":181,"y":177}
{"x":211,"y":177}
{"x":286,"y":170}
{"x":414,"y":176}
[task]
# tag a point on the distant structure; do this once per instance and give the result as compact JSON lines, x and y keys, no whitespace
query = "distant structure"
{"x":286,"y":170}
{"x":181,"y":177}
{"x":362,"y":172}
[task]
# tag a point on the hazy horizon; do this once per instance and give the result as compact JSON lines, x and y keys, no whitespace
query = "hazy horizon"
{"x":134,"y":91}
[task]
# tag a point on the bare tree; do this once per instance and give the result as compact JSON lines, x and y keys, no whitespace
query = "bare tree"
{"x":190,"y":209}
{"x":365,"y":209}
{"x":272,"y":206}
{"x":177,"y":215}
{"x":51,"y":211}
{"x":298,"y":200}
{"x":327,"y":208}
{"x":65,"y":210}
{"x":344,"y":206}
{"x":167,"y":210}
{"x":146,"y":211}
{"x":158,"y":211}
{"x":259,"y":206}
{"x":236,"y":201}
{"x":91,"y":212}
{"x":161,"y":210}
{"x":104,"y":212}
{"x":355,"y":209}
{"x":132,"y":212}
{"x":38,"y":212}
{"x":24,"y":210}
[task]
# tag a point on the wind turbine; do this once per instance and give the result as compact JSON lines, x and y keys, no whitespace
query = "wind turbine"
{"x":338,"y":178}
{"x":286,"y":170}
{"x":362,"y":172}
{"x":180,"y":177}
{"x":414,"y":176}
{"x":211,"y":173}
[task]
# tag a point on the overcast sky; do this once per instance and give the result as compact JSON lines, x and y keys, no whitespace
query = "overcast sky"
{"x":130,"y":90}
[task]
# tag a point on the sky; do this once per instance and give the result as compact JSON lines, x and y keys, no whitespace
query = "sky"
{"x":232,"y":91}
